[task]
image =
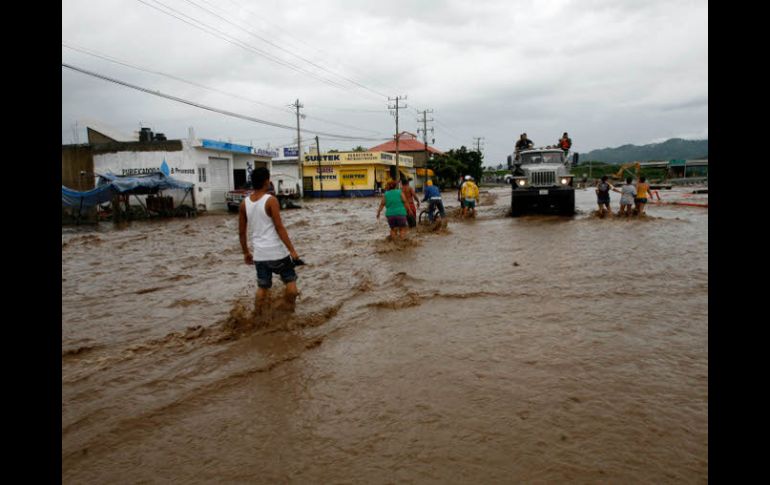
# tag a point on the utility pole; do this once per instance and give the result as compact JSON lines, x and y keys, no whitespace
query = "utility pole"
{"x":478,"y":142}
{"x":299,"y":148}
{"x":478,"y":150}
{"x":397,"y":107}
{"x":320,"y":174}
{"x":424,"y":130}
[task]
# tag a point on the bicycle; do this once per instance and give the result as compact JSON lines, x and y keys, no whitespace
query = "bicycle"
{"x":424,"y":216}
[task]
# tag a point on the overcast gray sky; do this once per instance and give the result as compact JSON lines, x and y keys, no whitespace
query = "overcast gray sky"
{"x":608,"y":72}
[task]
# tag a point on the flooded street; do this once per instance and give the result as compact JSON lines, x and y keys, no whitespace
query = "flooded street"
{"x":539,"y":349}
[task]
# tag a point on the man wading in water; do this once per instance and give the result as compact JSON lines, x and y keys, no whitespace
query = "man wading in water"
{"x":273,"y":251}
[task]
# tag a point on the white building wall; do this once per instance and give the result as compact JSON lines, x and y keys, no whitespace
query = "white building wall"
{"x":184,"y":165}
{"x":287,"y":172}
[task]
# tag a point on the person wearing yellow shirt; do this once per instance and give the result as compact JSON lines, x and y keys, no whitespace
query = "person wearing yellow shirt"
{"x":642,"y":189}
{"x":470,"y":196}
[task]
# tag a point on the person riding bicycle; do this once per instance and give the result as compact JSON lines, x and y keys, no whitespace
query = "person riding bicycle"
{"x":433,"y":196}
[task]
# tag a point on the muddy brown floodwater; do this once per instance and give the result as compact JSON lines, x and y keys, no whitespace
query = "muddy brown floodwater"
{"x":538,"y":349}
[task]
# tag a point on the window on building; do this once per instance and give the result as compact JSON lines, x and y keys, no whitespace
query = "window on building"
{"x":201,"y":174}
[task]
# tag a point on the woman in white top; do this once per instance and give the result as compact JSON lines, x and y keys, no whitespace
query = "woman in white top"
{"x":272,"y":249}
{"x":627,"y":195}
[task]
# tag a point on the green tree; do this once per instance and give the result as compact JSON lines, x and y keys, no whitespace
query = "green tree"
{"x":359,"y":148}
{"x":455,"y":163}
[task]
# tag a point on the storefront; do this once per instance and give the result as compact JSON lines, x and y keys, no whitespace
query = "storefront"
{"x":351,"y":174}
{"x":214,"y":167}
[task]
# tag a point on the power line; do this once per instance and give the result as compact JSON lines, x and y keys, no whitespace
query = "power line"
{"x":170,"y":76}
{"x":227,"y":38}
{"x":352,"y":81}
{"x":209,"y":108}
{"x":285,"y":33}
{"x":176,"y":78}
{"x":447,"y":130}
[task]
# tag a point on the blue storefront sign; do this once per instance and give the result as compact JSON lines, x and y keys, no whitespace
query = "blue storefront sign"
{"x":221,"y":145}
{"x":290,"y":152}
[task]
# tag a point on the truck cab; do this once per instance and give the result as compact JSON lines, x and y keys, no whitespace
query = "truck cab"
{"x":286,"y":191}
{"x":541,"y":182}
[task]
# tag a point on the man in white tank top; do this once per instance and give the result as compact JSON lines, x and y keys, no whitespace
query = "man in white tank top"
{"x":270,"y":243}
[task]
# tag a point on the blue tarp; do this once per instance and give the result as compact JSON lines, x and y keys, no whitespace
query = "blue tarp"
{"x":111,"y":184}
{"x":99,"y":195}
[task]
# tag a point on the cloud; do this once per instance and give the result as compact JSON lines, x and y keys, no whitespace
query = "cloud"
{"x":609,"y":72}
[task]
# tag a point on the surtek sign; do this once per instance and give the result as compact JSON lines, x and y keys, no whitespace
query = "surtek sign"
{"x":353,"y":177}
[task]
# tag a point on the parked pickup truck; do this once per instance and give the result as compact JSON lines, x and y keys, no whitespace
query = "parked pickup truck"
{"x":286,"y":193}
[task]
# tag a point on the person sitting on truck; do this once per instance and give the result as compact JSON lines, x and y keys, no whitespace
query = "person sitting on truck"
{"x":470,"y":196}
{"x":523,"y":144}
{"x":433,"y":196}
{"x":603,"y":195}
{"x":565,"y":143}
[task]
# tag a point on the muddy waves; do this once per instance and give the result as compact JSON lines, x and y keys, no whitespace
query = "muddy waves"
{"x":493,"y":350}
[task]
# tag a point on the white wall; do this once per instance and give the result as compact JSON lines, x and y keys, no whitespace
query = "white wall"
{"x":183,"y":165}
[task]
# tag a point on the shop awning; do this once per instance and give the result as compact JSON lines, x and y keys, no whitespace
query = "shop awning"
{"x":111,"y":184}
{"x":421,"y":172}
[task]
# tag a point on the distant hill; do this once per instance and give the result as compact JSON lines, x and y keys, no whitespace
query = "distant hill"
{"x":675,"y":148}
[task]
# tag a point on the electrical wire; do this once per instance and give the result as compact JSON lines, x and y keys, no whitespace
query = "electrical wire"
{"x":209,"y":108}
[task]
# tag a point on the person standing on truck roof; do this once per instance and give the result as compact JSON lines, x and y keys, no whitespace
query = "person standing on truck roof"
{"x":470,"y":195}
{"x":603,"y":195}
{"x":272,"y":249}
{"x":565,"y":143}
{"x":395,"y":203}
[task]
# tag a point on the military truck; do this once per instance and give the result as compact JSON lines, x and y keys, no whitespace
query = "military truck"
{"x":541,"y":182}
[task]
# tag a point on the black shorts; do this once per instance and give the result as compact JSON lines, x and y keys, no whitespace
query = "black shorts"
{"x":283,"y":267}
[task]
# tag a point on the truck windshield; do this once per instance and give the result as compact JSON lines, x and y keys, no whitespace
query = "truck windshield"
{"x":551,"y":157}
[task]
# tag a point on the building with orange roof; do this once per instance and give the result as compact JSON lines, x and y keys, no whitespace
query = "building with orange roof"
{"x":408,"y":144}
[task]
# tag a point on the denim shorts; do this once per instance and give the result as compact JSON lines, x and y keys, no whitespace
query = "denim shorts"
{"x":283,"y":267}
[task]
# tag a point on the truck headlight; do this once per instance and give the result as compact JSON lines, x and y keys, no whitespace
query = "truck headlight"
{"x":565,"y":180}
{"x":521,"y":182}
